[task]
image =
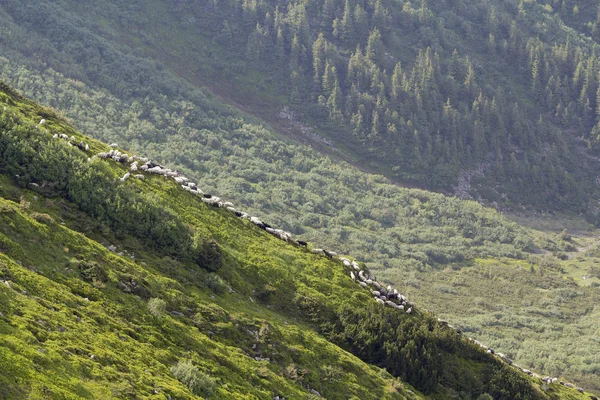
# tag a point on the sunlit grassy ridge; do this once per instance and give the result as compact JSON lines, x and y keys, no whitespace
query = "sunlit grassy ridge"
{"x":76,"y":321}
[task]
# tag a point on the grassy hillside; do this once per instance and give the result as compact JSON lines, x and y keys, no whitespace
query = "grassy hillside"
{"x":82,"y":319}
{"x":138,"y":84}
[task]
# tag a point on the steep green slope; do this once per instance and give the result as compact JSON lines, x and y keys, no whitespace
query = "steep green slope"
{"x":81,"y":319}
{"x":85,"y":66}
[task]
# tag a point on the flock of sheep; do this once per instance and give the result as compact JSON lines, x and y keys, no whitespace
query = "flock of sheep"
{"x":384,"y":295}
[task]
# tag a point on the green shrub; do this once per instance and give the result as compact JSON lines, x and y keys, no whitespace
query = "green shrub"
{"x":157,"y":307}
{"x":207,"y":253}
{"x":215,"y":283}
{"x":197,"y":381}
{"x":90,"y":271}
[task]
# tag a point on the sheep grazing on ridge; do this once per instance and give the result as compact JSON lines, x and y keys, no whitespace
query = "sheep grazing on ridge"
{"x":302,"y":243}
{"x":87,"y":147}
{"x":81,"y":146}
{"x":317,"y":251}
{"x":409,"y":310}
{"x":380,"y":301}
{"x":55,"y":136}
{"x":139,"y":176}
{"x":239,"y":214}
{"x":63,"y":136}
{"x":144,"y":167}
{"x":125,"y":177}
{"x":228,"y":204}
{"x":361,"y":275}
{"x":133,"y":167}
{"x":330,"y":254}
{"x":102,"y":155}
{"x":363,"y":284}
{"x":42,"y":121}
{"x":113,"y":145}
{"x":229,"y":208}
{"x":352,"y":276}
{"x":256,"y":221}
{"x":72,"y":138}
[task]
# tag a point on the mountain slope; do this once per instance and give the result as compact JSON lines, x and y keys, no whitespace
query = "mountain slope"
{"x":80,"y":320}
{"x":424,"y":243}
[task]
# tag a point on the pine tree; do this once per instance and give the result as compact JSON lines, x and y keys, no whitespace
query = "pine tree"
{"x":319,"y":49}
{"x":361,"y":23}
{"x":396,"y":84}
{"x":374,"y":50}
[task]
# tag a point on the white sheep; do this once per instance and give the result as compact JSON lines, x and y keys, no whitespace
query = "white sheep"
{"x":229,"y":208}
{"x":363,"y":284}
{"x":87,"y":147}
{"x":144,"y":167}
{"x":139,"y":176}
{"x":380,"y":301}
{"x":361,"y":275}
{"x":352,"y":276}
{"x":42,"y":121}
{"x":228,"y":204}
{"x":409,"y":310}
{"x":55,"y":136}
{"x":113,"y":145}
{"x":133,"y":168}
{"x":125,"y":177}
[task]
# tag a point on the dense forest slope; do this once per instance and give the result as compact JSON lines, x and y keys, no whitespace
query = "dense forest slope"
{"x":130,"y":72}
{"x":131,"y":288}
{"x":495,"y":100}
